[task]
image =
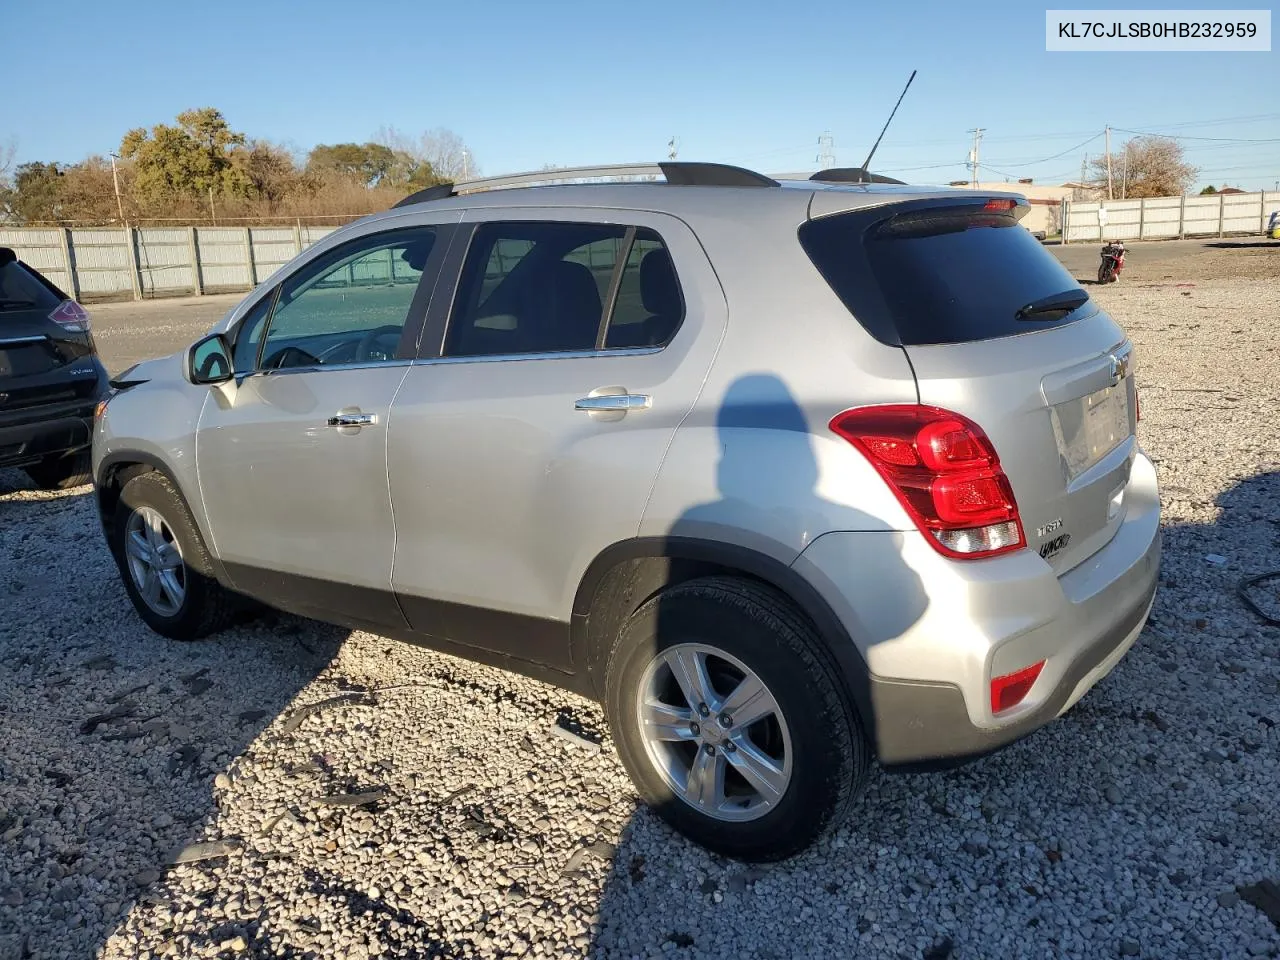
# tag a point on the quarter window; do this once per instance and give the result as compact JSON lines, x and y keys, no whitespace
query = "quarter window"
{"x":533,"y":287}
{"x":348,"y":307}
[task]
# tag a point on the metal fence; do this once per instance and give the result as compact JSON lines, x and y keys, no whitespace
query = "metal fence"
{"x":1165,"y":218}
{"x":100,"y":263}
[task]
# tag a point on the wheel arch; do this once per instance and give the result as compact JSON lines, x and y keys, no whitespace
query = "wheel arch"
{"x":623,"y":576}
{"x":118,"y":469}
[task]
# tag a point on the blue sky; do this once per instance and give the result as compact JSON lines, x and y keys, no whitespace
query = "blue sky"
{"x":527,"y":84}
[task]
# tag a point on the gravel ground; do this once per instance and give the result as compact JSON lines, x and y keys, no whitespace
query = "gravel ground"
{"x":159,"y":799}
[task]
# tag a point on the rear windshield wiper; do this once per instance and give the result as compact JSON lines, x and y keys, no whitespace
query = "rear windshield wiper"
{"x":1058,"y":303}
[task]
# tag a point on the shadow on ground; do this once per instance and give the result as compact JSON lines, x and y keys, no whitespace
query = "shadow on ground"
{"x":112,"y":735}
{"x":1135,"y":825}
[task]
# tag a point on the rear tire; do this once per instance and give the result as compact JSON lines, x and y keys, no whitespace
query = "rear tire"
{"x":166,"y":568}
{"x":753,"y":789}
{"x":62,"y":472}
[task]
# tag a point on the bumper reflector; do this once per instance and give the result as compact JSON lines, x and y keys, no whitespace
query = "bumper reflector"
{"x":1011,"y":689}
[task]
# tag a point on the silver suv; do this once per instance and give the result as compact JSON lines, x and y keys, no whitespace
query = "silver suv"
{"x":791,"y":476}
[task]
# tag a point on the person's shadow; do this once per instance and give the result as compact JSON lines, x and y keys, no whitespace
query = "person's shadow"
{"x":766,"y":480}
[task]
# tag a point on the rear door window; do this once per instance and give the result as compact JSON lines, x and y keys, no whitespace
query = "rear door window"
{"x":555,"y":287}
{"x":952,"y":274}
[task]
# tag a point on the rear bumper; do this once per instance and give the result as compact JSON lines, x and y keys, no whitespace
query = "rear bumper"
{"x":933,"y":632}
{"x":26,"y":443}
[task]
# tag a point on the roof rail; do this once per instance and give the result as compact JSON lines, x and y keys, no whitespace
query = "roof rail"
{"x":438,"y":192}
{"x":714,"y":175}
{"x":679,"y":174}
{"x":851,"y":175}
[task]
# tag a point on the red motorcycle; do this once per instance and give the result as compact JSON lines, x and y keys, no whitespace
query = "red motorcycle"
{"x":1112,"y":262}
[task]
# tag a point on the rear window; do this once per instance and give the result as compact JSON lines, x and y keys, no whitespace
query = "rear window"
{"x":932,"y":274}
{"x":21,"y":290}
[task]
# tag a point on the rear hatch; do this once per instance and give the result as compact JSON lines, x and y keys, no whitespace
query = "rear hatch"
{"x":43,"y":336}
{"x":997,"y":330}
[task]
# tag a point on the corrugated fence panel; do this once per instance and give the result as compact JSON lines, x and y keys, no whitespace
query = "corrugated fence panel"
{"x":1200,"y":216}
{"x":42,"y":248}
{"x":311,"y":235}
{"x":223,"y":263}
{"x":1082,"y":221}
{"x":1123,"y":217}
{"x":1164,"y":217}
{"x":164,"y":260}
{"x":273,"y":247}
{"x":1241,"y":212}
{"x":1160,"y":217}
{"x":102,"y":260}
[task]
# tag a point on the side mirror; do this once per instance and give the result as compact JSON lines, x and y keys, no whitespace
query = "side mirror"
{"x":209,"y":360}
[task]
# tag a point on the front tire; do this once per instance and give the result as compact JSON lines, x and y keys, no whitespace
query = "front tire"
{"x":163,"y":561}
{"x":1105,"y":273}
{"x":62,"y":472}
{"x":731,"y":721}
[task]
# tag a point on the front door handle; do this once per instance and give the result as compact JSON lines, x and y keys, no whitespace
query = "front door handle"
{"x":614,"y":403}
{"x":353,"y":420}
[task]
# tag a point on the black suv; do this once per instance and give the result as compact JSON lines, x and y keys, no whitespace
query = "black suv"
{"x":50,"y":378}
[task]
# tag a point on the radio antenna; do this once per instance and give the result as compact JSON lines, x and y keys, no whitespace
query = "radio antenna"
{"x":866,"y":164}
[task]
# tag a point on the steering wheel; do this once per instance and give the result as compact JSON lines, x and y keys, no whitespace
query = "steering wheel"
{"x":289,"y":357}
{"x":368,"y":347}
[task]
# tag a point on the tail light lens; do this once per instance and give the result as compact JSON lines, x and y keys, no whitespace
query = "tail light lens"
{"x":71,"y":316}
{"x":1011,"y":689}
{"x":944,"y":471}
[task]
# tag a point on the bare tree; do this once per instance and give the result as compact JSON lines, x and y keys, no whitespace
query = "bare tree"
{"x":7,"y":195}
{"x":449,"y":156}
{"x":1149,"y":167}
{"x":8,"y":150}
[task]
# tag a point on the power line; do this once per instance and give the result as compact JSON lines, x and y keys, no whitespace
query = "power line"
{"x":1174,"y":136}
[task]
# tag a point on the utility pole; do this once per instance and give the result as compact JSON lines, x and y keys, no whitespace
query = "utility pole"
{"x":1084,"y":166}
{"x":673,"y":147}
{"x":212,"y":213}
{"x":466,"y":166}
{"x":973,"y":154}
{"x":115,"y":178}
{"x":1109,"y":196}
{"x":1124,"y":173}
{"x":826,"y":158}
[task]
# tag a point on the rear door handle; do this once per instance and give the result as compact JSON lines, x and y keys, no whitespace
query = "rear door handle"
{"x":614,"y":403}
{"x":353,"y":419}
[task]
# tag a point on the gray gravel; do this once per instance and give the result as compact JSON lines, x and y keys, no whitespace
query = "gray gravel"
{"x":159,"y":799}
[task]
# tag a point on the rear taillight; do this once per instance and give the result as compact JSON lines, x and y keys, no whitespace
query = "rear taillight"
{"x":72,"y":316}
{"x":945,"y":472}
{"x":1011,"y":689}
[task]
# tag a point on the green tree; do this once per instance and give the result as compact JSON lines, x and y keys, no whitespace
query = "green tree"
{"x":1208,"y":190}
{"x":267,"y":171}
{"x":186,"y":160}
{"x":370,"y":165}
{"x":36,"y":192}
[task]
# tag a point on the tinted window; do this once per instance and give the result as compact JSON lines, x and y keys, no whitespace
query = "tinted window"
{"x":351,"y":305}
{"x":533,"y":288}
{"x":649,"y":307}
{"x":250,"y":335}
{"x":22,"y":290}
{"x":938,"y":275}
{"x":544,"y":287}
